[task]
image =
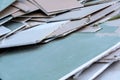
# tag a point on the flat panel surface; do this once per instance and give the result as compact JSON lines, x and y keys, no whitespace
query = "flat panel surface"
{"x":8,"y":11}
{"x":56,"y":59}
{"x":13,"y":25}
{"x":113,"y":22}
{"x":26,"y":6}
{"x":50,"y":6}
{"x":113,"y":72}
{"x":4,"y":30}
{"x":30,"y":36}
{"x":6,"y":19}
{"x":5,"y":3}
{"x":70,"y":26}
{"x":80,"y":13}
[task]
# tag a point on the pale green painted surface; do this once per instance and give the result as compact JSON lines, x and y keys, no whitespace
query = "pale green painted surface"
{"x":107,"y":29}
{"x":55,"y":59}
{"x":13,"y":25}
{"x":5,"y":3}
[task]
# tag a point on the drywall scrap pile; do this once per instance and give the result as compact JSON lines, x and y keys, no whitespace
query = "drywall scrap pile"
{"x":48,"y":28}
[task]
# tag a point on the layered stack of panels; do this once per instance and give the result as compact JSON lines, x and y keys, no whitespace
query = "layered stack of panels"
{"x":67,"y":25}
{"x":50,"y":7}
{"x":54,"y":40}
{"x":52,"y":59}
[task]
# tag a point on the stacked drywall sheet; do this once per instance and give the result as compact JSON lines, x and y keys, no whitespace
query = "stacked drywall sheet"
{"x":29,"y":13}
{"x":103,"y":68}
{"x":57,"y":39}
{"x":60,"y":25}
{"x":58,"y":58}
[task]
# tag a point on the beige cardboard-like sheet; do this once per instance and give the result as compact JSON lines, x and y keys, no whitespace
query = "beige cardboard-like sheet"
{"x":49,"y":6}
{"x":8,"y":11}
{"x":26,"y":6}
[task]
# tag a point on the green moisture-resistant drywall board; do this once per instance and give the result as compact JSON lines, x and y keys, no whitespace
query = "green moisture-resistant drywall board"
{"x":5,"y":3}
{"x":54,"y":60}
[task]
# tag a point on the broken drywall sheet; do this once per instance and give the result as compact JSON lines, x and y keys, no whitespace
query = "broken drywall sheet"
{"x":77,"y":14}
{"x":30,"y":36}
{"x":73,"y":51}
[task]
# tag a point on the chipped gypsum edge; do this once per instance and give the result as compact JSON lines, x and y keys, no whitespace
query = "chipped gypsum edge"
{"x":110,"y":4}
{"x":93,"y":19}
{"x":87,"y":64}
{"x":67,"y":21}
{"x":105,"y":18}
{"x":69,"y":31}
{"x":13,"y":32}
{"x":114,"y":7}
{"x":32,"y":42}
{"x":96,"y":21}
{"x":65,"y":34}
{"x":76,"y":29}
{"x":108,"y":17}
{"x":62,"y":35}
{"x":72,"y":30}
{"x":81,"y":17}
